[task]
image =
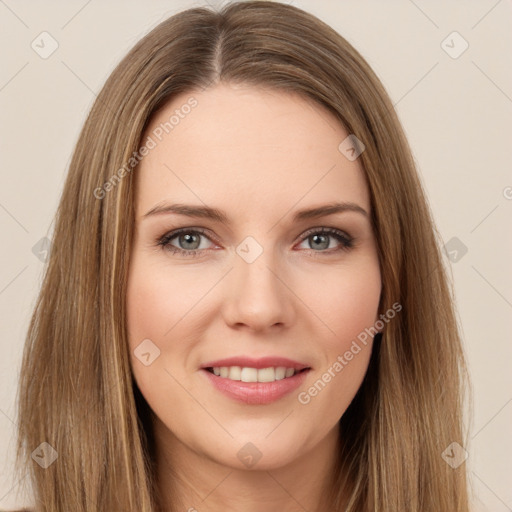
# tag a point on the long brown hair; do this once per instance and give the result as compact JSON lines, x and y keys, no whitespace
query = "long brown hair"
{"x":76,"y":389}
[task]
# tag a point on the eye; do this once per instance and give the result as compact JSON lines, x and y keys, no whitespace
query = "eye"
{"x":189,"y":239}
{"x":318,"y":238}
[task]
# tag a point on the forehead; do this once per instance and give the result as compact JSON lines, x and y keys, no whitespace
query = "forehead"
{"x":250,"y":148}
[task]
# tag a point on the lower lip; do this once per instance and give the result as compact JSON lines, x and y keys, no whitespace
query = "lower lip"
{"x":256,"y":393}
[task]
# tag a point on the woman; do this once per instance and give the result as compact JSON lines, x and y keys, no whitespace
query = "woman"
{"x":302,"y":353}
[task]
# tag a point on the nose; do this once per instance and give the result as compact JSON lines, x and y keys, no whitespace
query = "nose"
{"x":257,"y":295}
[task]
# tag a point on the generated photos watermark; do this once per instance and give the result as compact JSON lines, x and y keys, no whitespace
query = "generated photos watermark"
{"x":151,"y":142}
{"x":305,"y":397}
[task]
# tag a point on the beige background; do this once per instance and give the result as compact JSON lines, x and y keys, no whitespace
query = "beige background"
{"x":457,"y":113}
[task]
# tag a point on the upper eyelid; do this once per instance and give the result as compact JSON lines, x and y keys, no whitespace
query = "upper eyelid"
{"x":175,"y":232}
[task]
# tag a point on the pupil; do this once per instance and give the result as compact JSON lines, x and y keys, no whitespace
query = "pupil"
{"x":189,"y":239}
{"x":323,"y":244}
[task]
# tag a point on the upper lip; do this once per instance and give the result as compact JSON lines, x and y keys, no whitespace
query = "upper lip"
{"x":249,"y":362}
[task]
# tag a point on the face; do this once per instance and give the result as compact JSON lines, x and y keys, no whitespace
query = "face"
{"x":238,"y":282}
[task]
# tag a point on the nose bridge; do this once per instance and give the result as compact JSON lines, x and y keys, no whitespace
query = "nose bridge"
{"x":257,"y":296}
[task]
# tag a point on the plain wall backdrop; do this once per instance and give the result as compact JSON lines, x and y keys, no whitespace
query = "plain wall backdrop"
{"x":445,"y":64}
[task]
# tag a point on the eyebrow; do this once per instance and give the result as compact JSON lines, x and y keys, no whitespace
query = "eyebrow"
{"x":207,"y":212}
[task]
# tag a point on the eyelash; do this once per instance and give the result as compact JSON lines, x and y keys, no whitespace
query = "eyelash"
{"x":346,"y":241}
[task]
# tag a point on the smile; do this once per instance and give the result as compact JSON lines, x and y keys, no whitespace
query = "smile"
{"x":247,"y":374}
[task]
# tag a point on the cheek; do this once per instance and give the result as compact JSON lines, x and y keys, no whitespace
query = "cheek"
{"x":158,"y":297}
{"x":154,"y":308}
{"x":151,"y":310}
{"x":162,"y":306}
{"x":148,"y":306}
{"x":346,"y":304}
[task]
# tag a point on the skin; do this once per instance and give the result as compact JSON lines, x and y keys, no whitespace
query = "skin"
{"x":260,"y":156}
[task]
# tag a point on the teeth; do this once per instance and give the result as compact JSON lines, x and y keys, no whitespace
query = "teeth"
{"x":253,"y":374}
{"x":235,"y":373}
{"x":280,"y":372}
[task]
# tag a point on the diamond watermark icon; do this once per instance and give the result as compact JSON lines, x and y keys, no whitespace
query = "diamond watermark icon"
{"x":455,"y":249}
{"x":44,"y":45}
{"x":146,"y":352}
{"x":351,"y":147}
{"x":454,"y":45}
{"x":249,"y":249}
{"x":42,"y":249}
{"x":454,"y":455}
{"x":249,"y":455}
{"x":45,"y":455}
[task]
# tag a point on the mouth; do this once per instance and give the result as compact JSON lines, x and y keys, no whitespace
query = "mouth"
{"x":255,"y":381}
